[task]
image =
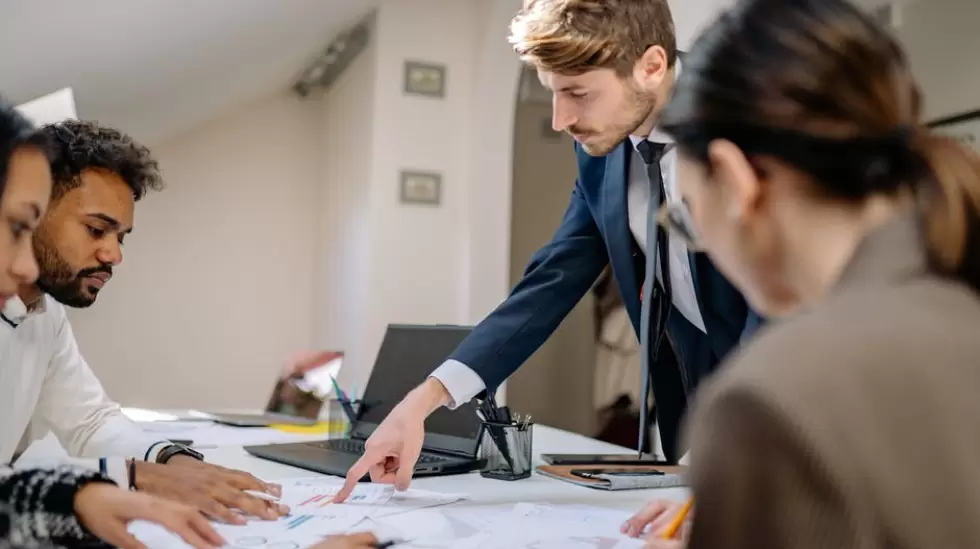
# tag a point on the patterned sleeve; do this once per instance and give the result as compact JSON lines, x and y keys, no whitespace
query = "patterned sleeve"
{"x":37,"y":507}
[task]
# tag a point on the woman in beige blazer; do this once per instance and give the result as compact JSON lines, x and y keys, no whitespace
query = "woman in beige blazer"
{"x":854,"y":421}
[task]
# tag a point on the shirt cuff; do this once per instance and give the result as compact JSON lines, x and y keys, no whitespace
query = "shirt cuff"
{"x":118,"y":470}
{"x":460,"y":381}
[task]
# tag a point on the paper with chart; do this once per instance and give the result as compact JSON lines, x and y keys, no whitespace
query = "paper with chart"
{"x":311,"y":498}
{"x":314,"y":495}
{"x":426,"y":520}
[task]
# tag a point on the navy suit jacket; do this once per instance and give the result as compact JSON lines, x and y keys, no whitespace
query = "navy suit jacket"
{"x":593,"y":234}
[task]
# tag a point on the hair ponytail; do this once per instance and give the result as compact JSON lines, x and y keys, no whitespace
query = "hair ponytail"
{"x":949,"y":202}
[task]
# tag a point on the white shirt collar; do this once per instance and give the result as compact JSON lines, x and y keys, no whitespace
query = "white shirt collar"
{"x":17,"y":311}
{"x":655,"y":136}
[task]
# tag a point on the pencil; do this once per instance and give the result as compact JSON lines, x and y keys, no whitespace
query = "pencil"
{"x":675,"y":525}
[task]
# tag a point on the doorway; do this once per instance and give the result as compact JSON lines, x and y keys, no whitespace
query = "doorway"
{"x":556,"y":384}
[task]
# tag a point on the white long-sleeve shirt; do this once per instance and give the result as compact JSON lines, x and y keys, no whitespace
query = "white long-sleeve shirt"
{"x":46,"y":385}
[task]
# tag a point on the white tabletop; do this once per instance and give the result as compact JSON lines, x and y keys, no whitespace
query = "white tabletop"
{"x":536,"y":489}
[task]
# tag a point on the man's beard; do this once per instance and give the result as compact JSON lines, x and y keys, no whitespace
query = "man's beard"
{"x":639,"y":106}
{"x":59,"y":281}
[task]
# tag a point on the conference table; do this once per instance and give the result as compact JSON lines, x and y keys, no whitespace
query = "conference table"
{"x":536,"y":489}
{"x":224,"y":446}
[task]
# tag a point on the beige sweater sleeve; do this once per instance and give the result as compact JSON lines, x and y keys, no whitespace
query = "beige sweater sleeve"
{"x":757,"y":485}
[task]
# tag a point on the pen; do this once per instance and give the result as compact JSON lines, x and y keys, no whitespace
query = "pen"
{"x":262,"y":495}
{"x":386,"y":544}
{"x":344,"y":402}
{"x":675,"y":525}
{"x":337,"y":389}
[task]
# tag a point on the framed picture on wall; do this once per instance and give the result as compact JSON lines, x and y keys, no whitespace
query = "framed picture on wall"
{"x":417,"y":187}
{"x":964,"y":127}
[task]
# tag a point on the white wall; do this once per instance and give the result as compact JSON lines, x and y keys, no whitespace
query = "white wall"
{"x":409,"y":265}
{"x":691,"y":16}
{"x":943,"y":45}
{"x":346,"y":117}
{"x":215,"y":288}
{"x":417,"y":275}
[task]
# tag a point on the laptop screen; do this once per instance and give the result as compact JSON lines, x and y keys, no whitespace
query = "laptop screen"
{"x":407,"y":356}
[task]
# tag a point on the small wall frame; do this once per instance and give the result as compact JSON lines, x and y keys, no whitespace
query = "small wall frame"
{"x":420,"y":188}
{"x":426,"y":79}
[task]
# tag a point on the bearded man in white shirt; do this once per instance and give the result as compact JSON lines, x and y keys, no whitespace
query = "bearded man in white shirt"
{"x":45,"y":384}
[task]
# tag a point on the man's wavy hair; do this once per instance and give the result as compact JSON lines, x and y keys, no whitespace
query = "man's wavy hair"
{"x":572,"y":37}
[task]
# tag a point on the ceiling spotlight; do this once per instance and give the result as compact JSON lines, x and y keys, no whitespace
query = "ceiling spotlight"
{"x":335,"y":58}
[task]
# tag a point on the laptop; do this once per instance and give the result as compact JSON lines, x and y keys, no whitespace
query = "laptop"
{"x":407,"y":356}
{"x":296,"y":400}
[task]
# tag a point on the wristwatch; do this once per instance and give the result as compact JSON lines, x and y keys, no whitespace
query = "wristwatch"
{"x":172,"y":450}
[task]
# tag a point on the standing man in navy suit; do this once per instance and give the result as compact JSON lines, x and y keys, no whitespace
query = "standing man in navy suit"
{"x":611,"y":65}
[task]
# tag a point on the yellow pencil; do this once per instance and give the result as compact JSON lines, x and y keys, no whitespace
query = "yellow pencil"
{"x":671,"y":530}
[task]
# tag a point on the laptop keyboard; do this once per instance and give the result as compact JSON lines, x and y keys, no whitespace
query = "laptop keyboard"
{"x":352,"y":446}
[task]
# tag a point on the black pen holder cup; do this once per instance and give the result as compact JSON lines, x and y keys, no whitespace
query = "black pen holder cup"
{"x":506,"y":450}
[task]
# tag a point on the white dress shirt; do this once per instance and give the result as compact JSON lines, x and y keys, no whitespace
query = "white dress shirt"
{"x":46,"y":385}
{"x":463,"y":383}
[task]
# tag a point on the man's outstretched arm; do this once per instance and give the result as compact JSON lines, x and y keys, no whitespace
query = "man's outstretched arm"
{"x":555,"y":280}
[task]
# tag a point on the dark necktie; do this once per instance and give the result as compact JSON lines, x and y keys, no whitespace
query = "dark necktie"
{"x":650,"y":339}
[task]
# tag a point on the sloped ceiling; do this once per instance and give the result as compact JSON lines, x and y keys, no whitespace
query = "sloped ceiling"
{"x":159,"y":67}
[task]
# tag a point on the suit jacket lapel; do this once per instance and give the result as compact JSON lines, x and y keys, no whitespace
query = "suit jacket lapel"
{"x":616,"y":224}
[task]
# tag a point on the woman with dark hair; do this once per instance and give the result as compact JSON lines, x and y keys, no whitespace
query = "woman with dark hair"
{"x":809,"y":180}
{"x":63,"y":506}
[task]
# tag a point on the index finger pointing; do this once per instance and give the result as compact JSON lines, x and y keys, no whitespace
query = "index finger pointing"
{"x":354,"y":474}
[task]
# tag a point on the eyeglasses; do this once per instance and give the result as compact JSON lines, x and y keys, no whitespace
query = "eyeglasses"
{"x":675,"y":216}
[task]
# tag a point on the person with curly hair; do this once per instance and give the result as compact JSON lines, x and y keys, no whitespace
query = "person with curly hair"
{"x":122,"y":172}
{"x":98,"y":175}
{"x":62,"y":506}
